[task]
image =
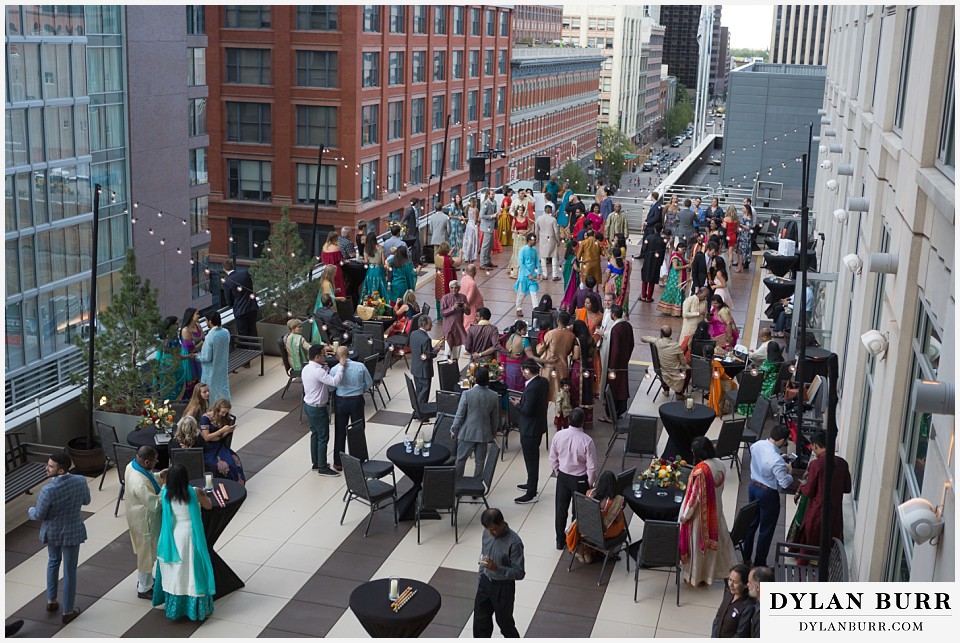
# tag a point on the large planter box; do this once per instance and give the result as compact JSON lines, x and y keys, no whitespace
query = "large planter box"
{"x":122,"y":422}
{"x":270,"y":334}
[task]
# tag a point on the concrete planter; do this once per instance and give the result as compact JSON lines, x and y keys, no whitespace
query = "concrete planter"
{"x":122,"y":422}
{"x":270,"y":334}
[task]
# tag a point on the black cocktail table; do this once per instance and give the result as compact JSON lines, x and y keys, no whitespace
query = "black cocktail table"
{"x":683,"y":426}
{"x":215,"y":520}
{"x":650,"y":506}
{"x":370,"y":603}
{"x":412,"y":465}
{"x":146,"y":436}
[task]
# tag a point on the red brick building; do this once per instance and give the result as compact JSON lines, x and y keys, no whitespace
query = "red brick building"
{"x":537,"y":23}
{"x":374,"y":84}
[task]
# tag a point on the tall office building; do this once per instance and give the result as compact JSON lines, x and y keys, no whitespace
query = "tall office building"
{"x":723,"y":68}
{"x":65,"y":113}
{"x":716,"y":58}
{"x":614,"y":30}
{"x":680,"y":49}
{"x":652,"y":38}
{"x":889,"y":103}
{"x":374,"y":85}
{"x":800,"y":34}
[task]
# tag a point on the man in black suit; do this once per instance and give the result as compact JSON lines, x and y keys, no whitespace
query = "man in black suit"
{"x":701,"y":268}
{"x":239,"y":295}
{"x":532,"y":409}
{"x":655,"y":214}
{"x":422,"y":354}
{"x":412,"y":235}
{"x":339,"y":330}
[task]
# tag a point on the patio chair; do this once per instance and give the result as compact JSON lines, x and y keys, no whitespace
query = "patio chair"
{"x":590,"y":526}
{"x":108,"y":435}
{"x":641,"y":438}
{"x":621,"y":423}
{"x":659,"y":547}
{"x":376,"y":494}
{"x":422,"y":413}
{"x":438,"y":493}
{"x":122,"y":455}
{"x":479,"y":487}
{"x":727,"y":444}
{"x":292,"y":375}
{"x":191,"y":459}
{"x":741,"y":524}
{"x":448,"y":402}
{"x":748,"y":391}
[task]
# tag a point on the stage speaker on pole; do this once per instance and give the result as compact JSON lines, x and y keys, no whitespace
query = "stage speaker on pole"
{"x":541,"y":168}
{"x":478,"y":170}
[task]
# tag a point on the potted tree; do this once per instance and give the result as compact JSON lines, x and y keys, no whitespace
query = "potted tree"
{"x":281,"y":278}
{"x":134,"y":360}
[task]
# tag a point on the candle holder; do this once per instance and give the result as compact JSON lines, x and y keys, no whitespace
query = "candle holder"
{"x":394,"y":588}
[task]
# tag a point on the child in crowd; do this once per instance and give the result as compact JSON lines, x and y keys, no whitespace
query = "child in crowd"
{"x":563,"y":405}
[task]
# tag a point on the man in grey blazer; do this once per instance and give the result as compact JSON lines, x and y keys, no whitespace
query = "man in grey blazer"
{"x":475,"y":422}
{"x":687,"y":224}
{"x":422,"y":354}
{"x":488,"y":226}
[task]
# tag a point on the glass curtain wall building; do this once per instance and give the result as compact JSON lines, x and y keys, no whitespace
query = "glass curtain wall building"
{"x":65,"y":118}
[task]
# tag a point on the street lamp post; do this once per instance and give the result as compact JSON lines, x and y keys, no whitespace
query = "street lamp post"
{"x":490,"y":154}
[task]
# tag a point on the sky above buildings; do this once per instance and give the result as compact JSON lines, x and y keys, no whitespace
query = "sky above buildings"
{"x":749,"y":24}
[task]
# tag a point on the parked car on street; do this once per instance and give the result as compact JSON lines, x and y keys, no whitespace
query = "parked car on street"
{"x":647,"y":167}
{"x":676,"y":142}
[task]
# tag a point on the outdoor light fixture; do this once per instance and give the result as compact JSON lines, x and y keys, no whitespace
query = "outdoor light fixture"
{"x":875,"y":342}
{"x":885,"y":262}
{"x":821,"y":112}
{"x":853,"y":263}
{"x":832,"y":185}
{"x":824,"y":120}
{"x":845,"y":169}
{"x":823,"y":149}
{"x":836,"y":148}
{"x":933,"y":397}
{"x":829,"y":132}
{"x":858,"y":204}
{"x":841,"y":215}
{"x":921,"y":519}
{"x":826,"y":164}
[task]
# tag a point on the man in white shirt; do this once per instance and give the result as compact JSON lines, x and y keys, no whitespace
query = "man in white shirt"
{"x":607,"y":302}
{"x":573,"y":460}
{"x":317,"y":382}
{"x":770,"y":475}
{"x":759,"y":356}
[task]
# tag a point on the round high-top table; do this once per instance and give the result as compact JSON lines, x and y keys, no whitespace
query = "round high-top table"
{"x":683,"y":426}
{"x":215,"y":520}
{"x":779,"y":264}
{"x":650,"y":506}
{"x":371,"y":605}
{"x":147,"y":436}
{"x":412,"y":465}
{"x":779,"y":287}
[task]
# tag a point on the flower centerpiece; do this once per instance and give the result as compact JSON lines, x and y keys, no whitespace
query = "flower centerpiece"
{"x":493,"y":367}
{"x":664,"y":472}
{"x":377,"y":303}
{"x":156,"y":415}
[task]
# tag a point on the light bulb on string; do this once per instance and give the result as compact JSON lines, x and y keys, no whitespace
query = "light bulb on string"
{"x":151,"y":230}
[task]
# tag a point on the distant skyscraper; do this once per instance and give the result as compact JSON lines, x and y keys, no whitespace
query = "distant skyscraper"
{"x":800,"y":34}
{"x":680,"y":49}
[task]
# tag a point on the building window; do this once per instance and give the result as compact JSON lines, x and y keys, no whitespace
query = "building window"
{"x":368,"y":180}
{"x":398,"y":15}
{"x":317,"y":17}
{"x":370,"y":119}
{"x":198,"y":214}
{"x":472,"y":105}
{"x":394,"y":172}
{"x":437,"y":112}
{"x":395,"y":120}
{"x":247,"y":17}
{"x":491,"y":22}
{"x":440,"y":20}
{"x":248,"y":66}
{"x":247,"y":237}
{"x":395,"y":68}
{"x":439,"y":65}
{"x":501,"y":100}
{"x":317,"y":68}
{"x":197,"y":72}
{"x":371,"y":18}
{"x":457,"y":65}
{"x":471,"y":146}
{"x":487,"y":102}
{"x":196,"y":20}
{"x":248,"y":180}
{"x":947,"y":143}
{"x":498,"y":177}
{"x":198,"y":166}
{"x":307,"y":184}
{"x":248,"y":122}
{"x":474,"y":22}
{"x":419,"y":19}
{"x":502,"y":62}
{"x":488,"y":62}
{"x":199,"y":277}
{"x":455,"y":154}
{"x":604,"y":107}
{"x":198,"y":117}
{"x":458,"y":20}
{"x":417,"y":108}
{"x":416,"y":166}
{"x":419,"y":66}
{"x":474,"y":64}
{"x":456,"y":105}
{"x":316,"y":126}
{"x":503,"y":24}
{"x":436,"y":159}
{"x":904,"y":68}
{"x":371,"y":69}
{"x":500,"y":130}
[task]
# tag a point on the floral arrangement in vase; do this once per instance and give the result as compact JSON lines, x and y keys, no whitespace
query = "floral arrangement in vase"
{"x":379,"y":305}
{"x":493,"y":367}
{"x":664,"y":472}
{"x":156,"y":415}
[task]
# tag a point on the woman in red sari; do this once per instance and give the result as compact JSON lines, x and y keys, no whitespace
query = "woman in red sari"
{"x":592,"y":315}
{"x":583,"y":372}
{"x":330,"y":255}
{"x":445,"y":273}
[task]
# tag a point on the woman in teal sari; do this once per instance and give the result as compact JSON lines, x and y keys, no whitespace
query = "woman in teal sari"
{"x":562,"y":218}
{"x":376,"y":279}
{"x":174,"y":377}
{"x":402,"y":275}
{"x":770,"y":369}
{"x":184,"y":573}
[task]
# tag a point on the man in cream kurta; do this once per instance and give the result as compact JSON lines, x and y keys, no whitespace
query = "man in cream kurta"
{"x":141,"y":505}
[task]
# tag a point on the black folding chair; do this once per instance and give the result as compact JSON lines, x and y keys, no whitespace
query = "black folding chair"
{"x":756,"y":423}
{"x":741,"y":524}
{"x":438,"y":493}
{"x":191,"y":459}
{"x":657,"y":376}
{"x":621,"y":423}
{"x":748,"y":391}
{"x":590,"y":525}
{"x":422,"y":413}
{"x":123,"y":455}
{"x":357,"y":445}
{"x":376,"y":494}
{"x":448,"y":402}
{"x":441,"y":436}
{"x":479,"y":487}
{"x":449,"y":374}
{"x":641,"y":438}
{"x":108,"y":435}
{"x":379,"y":384}
{"x":701,"y":376}
{"x":727,"y":444}
{"x":659,"y":547}
{"x":625,"y":479}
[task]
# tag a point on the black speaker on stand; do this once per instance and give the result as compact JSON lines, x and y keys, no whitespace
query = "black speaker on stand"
{"x":478,"y":170}
{"x":541,"y":168}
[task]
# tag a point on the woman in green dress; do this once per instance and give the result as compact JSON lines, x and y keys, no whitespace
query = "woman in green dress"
{"x":376,"y":279}
{"x":327,"y":287}
{"x":402,"y":275}
{"x":671,"y":302}
{"x":174,"y":378}
{"x":770,"y":369}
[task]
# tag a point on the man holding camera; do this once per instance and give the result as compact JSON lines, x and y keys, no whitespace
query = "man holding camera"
{"x":453,"y":307}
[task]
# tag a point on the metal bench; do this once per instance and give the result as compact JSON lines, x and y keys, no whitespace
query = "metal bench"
{"x":243,"y":350}
{"x":23,"y":474}
{"x":793,"y":572}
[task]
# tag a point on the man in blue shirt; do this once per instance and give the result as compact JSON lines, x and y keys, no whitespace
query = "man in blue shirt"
{"x":769,"y":476}
{"x":355,"y":382}
{"x":62,"y":530}
{"x":394,"y":241}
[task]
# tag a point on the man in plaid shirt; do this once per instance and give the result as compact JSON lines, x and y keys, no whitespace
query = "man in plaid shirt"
{"x":62,"y":530}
